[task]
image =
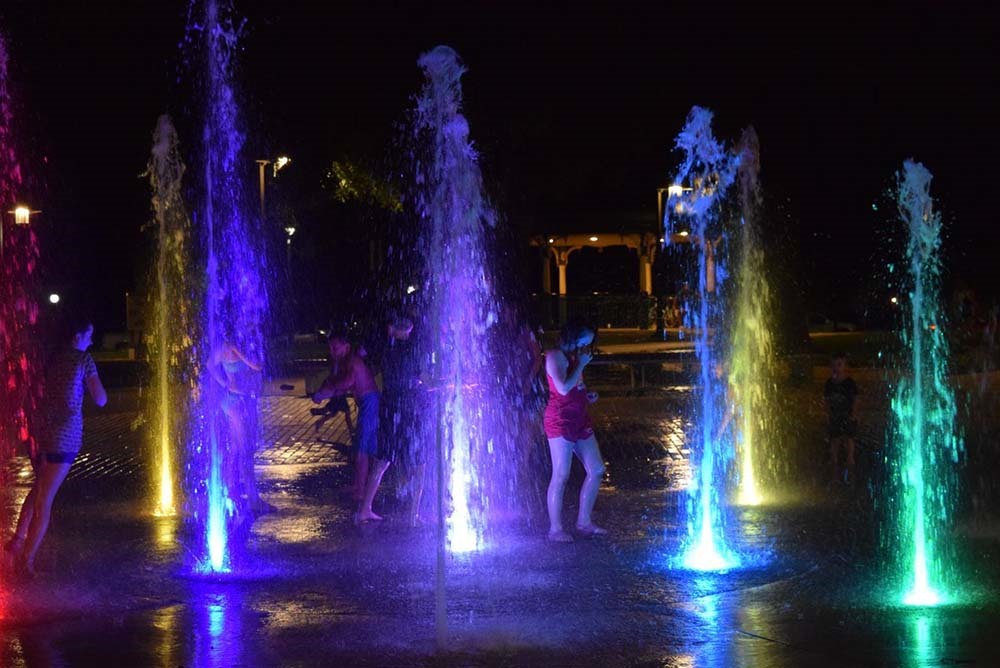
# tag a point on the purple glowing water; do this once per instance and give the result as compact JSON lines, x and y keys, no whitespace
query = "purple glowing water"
{"x":463,"y":307}
{"x":225,"y":429}
{"x":705,"y":175}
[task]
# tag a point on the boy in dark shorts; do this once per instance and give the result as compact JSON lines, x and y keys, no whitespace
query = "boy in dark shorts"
{"x":840,"y":394}
{"x":400,"y":438}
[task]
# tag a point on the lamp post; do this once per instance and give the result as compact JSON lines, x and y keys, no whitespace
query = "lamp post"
{"x":22,"y":216}
{"x":278,"y":164}
{"x":673,"y":190}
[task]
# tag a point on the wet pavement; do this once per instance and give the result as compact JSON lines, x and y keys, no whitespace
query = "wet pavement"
{"x":312,"y":588}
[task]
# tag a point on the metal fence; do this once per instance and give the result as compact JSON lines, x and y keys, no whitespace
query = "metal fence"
{"x":621,"y":311}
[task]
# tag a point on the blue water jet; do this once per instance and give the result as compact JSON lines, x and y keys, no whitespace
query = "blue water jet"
{"x":693,"y":213}
{"x":235,"y":305}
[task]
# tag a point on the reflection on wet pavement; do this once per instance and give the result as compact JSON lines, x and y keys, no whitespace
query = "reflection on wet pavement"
{"x":314,"y":589}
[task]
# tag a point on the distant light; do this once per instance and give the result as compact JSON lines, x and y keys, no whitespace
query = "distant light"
{"x":662,"y":240}
{"x":683,"y":233}
{"x":53,"y":298}
{"x":593,"y":238}
{"x":289,"y":230}
{"x":280,"y":162}
{"x":22,"y":215}
{"x":894,"y":300}
{"x":410,"y":289}
{"x":551,"y":240}
{"x":675,"y":190}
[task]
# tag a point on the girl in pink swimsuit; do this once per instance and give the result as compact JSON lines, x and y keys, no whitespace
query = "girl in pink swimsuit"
{"x":569,"y":429}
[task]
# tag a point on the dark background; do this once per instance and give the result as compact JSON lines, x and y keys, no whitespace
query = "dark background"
{"x":573,"y":108}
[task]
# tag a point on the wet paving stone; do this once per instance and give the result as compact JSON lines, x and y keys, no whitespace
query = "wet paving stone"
{"x":311,"y":588}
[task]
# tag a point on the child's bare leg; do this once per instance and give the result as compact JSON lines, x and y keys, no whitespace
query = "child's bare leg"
{"x":360,"y":476}
{"x":561,"y":451}
{"x":365,"y":513}
{"x":16,"y":543}
{"x":849,"y":447}
{"x":593,"y":463}
{"x":417,"y":481}
{"x":50,"y":477}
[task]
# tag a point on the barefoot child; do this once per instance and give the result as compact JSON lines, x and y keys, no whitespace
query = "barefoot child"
{"x":349,"y":373}
{"x":69,"y":372}
{"x":569,"y":430}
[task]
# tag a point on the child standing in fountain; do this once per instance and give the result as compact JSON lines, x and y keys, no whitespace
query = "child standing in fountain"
{"x":841,"y":393}
{"x":569,"y":429}
{"x":227,"y":365}
{"x":69,"y":373}
{"x":349,"y":373}
{"x":400,"y":438}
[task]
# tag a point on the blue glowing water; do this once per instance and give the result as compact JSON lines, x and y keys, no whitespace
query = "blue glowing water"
{"x":706,"y":173}
{"x":235,"y":304}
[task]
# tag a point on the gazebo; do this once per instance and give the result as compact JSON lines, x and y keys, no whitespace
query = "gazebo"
{"x":562,"y":246}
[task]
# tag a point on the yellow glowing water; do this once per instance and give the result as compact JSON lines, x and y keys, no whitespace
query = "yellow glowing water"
{"x":752,"y":372}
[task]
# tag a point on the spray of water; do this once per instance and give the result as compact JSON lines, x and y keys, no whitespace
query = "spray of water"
{"x":707,"y":172}
{"x":461,"y":298}
{"x":752,"y":370}
{"x":224,"y":433}
{"x":924,"y":435}
{"x":20,"y":382}
{"x":173,"y":332}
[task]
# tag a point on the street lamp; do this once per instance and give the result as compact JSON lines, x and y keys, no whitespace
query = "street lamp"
{"x":673,"y":190}
{"x":278,"y":164}
{"x":22,"y":216}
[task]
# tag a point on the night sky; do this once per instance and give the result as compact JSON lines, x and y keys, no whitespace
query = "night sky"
{"x":574,"y":110}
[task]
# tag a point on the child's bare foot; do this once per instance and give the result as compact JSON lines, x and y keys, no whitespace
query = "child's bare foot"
{"x":368,"y":516}
{"x":591,"y":530}
{"x":560,"y":537}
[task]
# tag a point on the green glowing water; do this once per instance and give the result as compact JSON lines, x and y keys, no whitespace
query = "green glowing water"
{"x":926,"y":445}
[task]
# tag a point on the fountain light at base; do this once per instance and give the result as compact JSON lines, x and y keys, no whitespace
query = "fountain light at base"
{"x":926,"y":445}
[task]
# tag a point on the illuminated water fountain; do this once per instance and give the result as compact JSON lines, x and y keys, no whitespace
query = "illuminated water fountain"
{"x":924,"y":435}
{"x":706,"y":173}
{"x":19,"y":253}
{"x":752,"y":372}
{"x":172,"y":339}
{"x":225,"y":419}
{"x":463,"y":307}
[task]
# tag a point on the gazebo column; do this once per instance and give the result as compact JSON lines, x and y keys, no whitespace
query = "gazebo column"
{"x":562,"y":261}
{"x":546,"y":273}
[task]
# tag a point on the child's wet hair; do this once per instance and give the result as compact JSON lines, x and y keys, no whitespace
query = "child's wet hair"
{"x":573,"y":329}
{"x":74,"y":323}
